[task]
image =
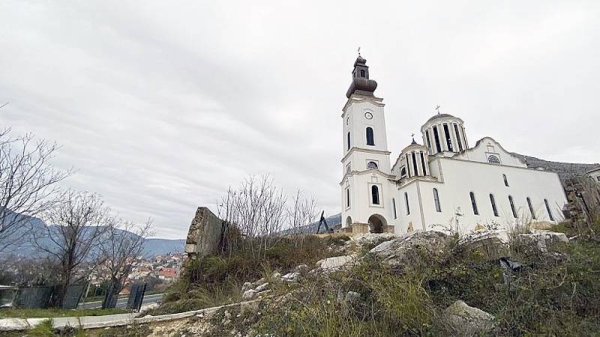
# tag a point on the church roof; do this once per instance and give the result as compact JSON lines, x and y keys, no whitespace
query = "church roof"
{"x":439,"y":116}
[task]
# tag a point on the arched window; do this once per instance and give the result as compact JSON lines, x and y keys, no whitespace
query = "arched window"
{"x":348,"y":140}
{"x":370,"y":140}
{"x":493,"y":201}
{"x":362,"y":73}
{"x":371,"y":165}
{"x":402,"y":172}
{"x":394,"y":207}
{"x":549,"y":210}
{"x":436,"y":200}
{"x":474,"y":203}
{"x":423,"y":164}
{"x":436,"y":137}
{"x":347,"y":198}
{"x":512,"y":206}
{"x":492,"y":159}
{"x":407,"y":205}
{"x":414,"y":160}
{"x":531,"y":209}
{"x":505,"y":180}
{"x":460,"y":147}
{"x":448,"y":139}
{"x":375,"y":195}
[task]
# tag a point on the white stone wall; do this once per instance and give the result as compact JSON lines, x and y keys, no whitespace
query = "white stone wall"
{"x":487,"y":147}
{"x":462,"y":177}
{"x":361,"y":206}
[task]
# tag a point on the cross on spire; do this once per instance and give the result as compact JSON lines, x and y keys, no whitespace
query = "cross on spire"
{"x":437,"y":108}
{"x":358,"y":51}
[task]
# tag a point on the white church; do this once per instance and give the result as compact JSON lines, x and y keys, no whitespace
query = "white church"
{"x":442,"y":184}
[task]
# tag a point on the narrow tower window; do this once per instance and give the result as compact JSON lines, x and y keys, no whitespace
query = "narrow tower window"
{"x":423,"y":164}
{"x":394,"y":207}
{"x":407,"y":205}
{"x":437,"y":139}
{"x":448,"y":140}
{"x":370,"y":140}
{"x":548,"y":209}
{"x":375,"y":194}
{"x":408,"y":166}
{"x":436,"y":200}
{"x":428,"y":140}
{"x":362,"y":73}
{"x":414,"y":160}
{"x":348,"y":140}
{"x":493,"y":201}
{"x":460,"y":147}
{"x":531,"y":209}
{"x":474,"y":203}
{"x":347,"y":198}
{"x":505,"y":180}
{"x":512,"y":206}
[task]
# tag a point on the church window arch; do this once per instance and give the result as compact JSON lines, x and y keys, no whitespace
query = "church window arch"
{"x":549,"y":210}
{"x":505,"y":180}
{"x":347,"y":197}
{"x":372,"y":165}
{"x":436,"y":137}
{"x":460,"y":147}
{"x":428,"y":140}
{"x":436,"y":200}
{"x":493,"y":202}
{"x":407,"y":204}
{"x":370,"y":138}
{"x":448,"y":138}
{"x":474,"y":203}
{"x":394,"y":208}
{"x":493,"y":159}
{"x":375,"y":195}
{"x":348,"y":140}
{"x":414,"y":160}
{"x":512,"y":206}
{"x":423,"y":164}
{"x":402,"y":172}
{"x":362,"y":73}
{"x":531,"y":209}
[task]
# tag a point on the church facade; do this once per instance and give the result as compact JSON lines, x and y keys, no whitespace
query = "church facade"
{"x":441,"y":184}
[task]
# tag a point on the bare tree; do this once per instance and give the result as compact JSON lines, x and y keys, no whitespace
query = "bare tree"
{"x":301,"y":212}
{"x":28,"y":182}
{"x":76,"y":224}
{"x":120,"y":247}
{"x":257,"y":209}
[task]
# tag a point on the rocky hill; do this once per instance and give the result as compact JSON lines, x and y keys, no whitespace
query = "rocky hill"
{"x":564,"y":170}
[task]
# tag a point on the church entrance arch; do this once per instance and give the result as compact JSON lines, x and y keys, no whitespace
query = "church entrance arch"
{"x":376,"y":223}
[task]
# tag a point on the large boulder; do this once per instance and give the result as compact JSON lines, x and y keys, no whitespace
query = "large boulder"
{"x":336,"y":263}
{"x":543,"y":240}
{"x":206,"y":234}
{"x":412,"y":249}
{"x":460,"y":319}
{"x":373,"y":239}
{"x":490,"y":245}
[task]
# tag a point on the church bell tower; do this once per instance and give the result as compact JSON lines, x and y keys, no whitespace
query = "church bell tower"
{"x":365,"y":159}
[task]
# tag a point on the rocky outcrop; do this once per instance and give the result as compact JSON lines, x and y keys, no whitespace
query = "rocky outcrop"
{"x":491,"y":245}
{"x":412,"y":249}
{"x":336,"y":263}
{"x":543,"y":240}
{"x":463,"y":320}
{"x":206,"y":234}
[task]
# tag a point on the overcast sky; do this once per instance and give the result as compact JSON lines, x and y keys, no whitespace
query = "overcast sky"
{"x":161,"y":105}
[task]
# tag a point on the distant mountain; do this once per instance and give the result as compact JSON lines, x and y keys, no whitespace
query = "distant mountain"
{"x":152,"y":247}
{"x":565,"y":170}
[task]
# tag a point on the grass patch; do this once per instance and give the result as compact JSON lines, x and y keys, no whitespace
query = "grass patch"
{"x":52,"y":312}
{"x":217,"y":280}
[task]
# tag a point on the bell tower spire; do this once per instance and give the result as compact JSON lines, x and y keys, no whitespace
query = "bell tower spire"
{"x":361,"y":84}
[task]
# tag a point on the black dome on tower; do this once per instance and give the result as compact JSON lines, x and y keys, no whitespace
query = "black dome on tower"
{"x":361,"y":84}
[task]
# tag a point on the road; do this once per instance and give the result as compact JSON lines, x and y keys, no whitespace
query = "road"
{"x":121,"y":302}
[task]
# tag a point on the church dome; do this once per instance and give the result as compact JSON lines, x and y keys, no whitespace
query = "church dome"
{"x":440,"y":116}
